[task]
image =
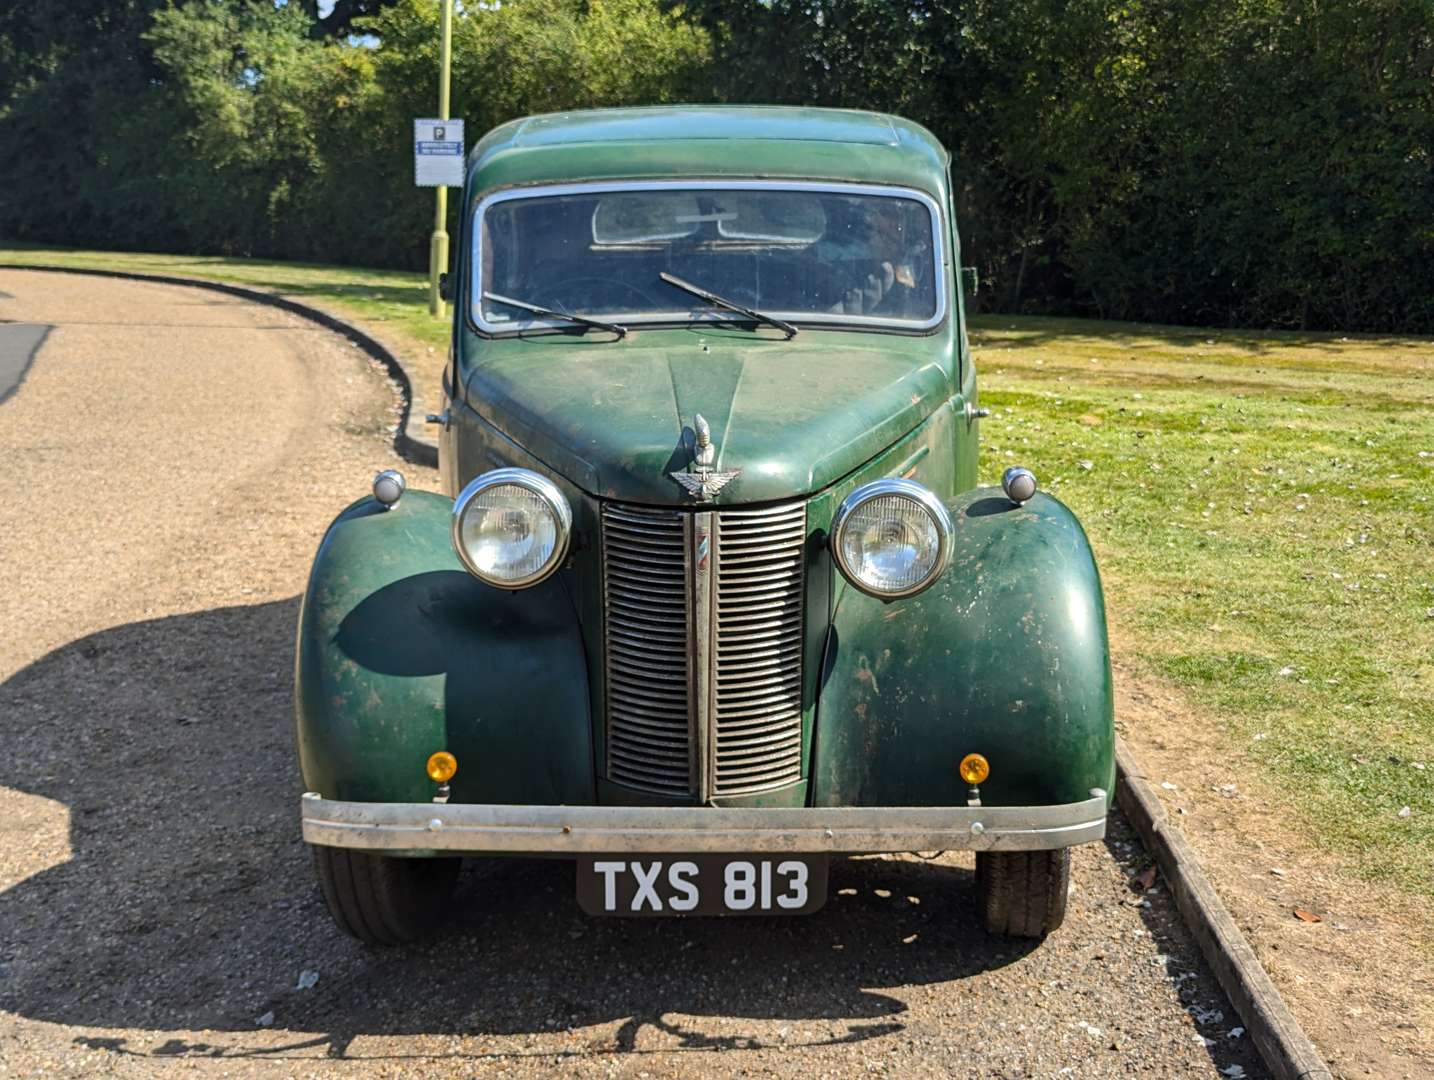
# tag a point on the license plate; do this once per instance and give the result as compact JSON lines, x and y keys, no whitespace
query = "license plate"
{"x":703,"y":885}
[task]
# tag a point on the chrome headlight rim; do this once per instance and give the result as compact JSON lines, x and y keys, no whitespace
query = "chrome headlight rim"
{"x":540,"y":486}
{"x":919,"y":494}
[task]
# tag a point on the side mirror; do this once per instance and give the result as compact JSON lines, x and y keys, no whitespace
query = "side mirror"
{"x":971,"y":278}
{"x":445,"y":286}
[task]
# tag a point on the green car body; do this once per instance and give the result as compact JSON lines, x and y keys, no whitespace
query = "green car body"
{"x":402,"y":652}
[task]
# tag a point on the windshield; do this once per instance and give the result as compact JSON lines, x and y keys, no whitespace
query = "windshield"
{"x":805,"y":253}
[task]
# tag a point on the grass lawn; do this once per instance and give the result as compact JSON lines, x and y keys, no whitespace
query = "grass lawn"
{"x":395,"y":297}
{"x":1260,"y":504}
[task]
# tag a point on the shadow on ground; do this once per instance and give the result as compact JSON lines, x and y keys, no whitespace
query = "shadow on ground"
{"x":188,"y":901}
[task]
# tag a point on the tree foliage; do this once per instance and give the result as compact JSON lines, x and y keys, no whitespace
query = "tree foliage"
{"x":1255,"y":162}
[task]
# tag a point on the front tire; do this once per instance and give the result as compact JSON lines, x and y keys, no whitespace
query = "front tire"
{"x":1023,"y":893}
{"x":383,"y":900}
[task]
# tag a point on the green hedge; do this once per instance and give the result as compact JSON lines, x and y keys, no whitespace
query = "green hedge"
{"x":1234,"y":162}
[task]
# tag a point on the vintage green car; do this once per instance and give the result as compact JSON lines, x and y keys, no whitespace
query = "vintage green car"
{"x":713,"y":595}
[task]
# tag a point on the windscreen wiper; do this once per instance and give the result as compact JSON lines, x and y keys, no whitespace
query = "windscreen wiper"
{"x":731,"y":305}
{"x":549,"y":313}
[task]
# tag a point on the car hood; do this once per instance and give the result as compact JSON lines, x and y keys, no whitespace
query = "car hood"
{"x":790,"y":417}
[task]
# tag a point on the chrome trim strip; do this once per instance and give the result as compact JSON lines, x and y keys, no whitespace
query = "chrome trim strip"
{"x":702,"y":558}
{"x":801,"y":318}
{"x":583,"y":830}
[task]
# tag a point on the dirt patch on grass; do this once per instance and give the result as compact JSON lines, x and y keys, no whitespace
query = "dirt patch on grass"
{"x":1361,"y":979}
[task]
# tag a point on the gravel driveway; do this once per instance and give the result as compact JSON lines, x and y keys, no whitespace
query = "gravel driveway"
{"x":172,"y":459}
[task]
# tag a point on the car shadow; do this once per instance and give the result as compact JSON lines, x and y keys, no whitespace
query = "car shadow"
{"x":185,"y":900}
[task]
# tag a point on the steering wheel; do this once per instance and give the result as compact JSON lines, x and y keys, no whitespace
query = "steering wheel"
{"x":559,"y":292}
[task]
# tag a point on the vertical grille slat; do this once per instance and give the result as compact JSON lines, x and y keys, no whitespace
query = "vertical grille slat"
{"x":757,"y":711}
{"x":647,"y":612}
{"x":735,"y":726}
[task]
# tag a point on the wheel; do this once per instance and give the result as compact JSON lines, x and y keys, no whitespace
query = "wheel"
{"x":1023,"y":893}
{"x":382,"y":900}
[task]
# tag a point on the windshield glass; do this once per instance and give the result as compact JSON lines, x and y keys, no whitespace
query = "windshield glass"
{"x":809,"y":254}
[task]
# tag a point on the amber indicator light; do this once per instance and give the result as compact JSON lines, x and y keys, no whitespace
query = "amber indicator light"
{"x":441,"y":767}
{"x":974,"y":769}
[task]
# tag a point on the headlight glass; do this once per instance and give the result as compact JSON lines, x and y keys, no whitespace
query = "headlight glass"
{"x":891,"y":538}
{"x":511,"y":527}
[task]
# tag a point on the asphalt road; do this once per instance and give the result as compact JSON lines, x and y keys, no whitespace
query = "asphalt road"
{"x":172,"y":457}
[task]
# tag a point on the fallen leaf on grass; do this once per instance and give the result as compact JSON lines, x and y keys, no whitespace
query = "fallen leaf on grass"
{"x":1307,"y":916}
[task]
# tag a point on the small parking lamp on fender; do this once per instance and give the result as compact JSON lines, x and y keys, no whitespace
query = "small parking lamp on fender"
{"x":388,"y":488}
{"x":442,"y":767}
{"x":1019,"y":484}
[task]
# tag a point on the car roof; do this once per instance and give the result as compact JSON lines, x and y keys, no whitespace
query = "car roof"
{"x":666,"y":142}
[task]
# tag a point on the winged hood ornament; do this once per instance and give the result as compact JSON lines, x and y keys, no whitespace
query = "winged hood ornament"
{"x":701,"y":480}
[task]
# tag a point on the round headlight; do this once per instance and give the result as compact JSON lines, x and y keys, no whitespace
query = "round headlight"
{"x":891,"y":538}
{"x":511,"y":527}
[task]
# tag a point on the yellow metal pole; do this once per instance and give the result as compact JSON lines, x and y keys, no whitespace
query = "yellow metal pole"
{"x":438,"y":245}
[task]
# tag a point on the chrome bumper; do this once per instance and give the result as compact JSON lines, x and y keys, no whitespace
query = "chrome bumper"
{"x":587,"y":830}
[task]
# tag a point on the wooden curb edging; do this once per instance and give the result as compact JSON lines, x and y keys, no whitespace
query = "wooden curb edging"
{"x":409,"y":447}
{"x":1282,"y":1043}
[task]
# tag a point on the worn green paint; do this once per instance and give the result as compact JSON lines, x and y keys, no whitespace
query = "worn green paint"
{"x":794,"y":416}
{"x":1005,"y":656}
{"x":402,"y":652}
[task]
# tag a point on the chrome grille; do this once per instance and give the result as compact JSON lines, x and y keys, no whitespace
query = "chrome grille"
{"x":703,"y":659}
{"x":757,"y":681}
{"x":646,"y":606}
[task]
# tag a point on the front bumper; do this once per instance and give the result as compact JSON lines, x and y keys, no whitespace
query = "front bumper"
{"x":589,"y":830}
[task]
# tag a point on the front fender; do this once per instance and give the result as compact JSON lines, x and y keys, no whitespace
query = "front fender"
{"x":1005,"y":656}
{"x":402,"y":652}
